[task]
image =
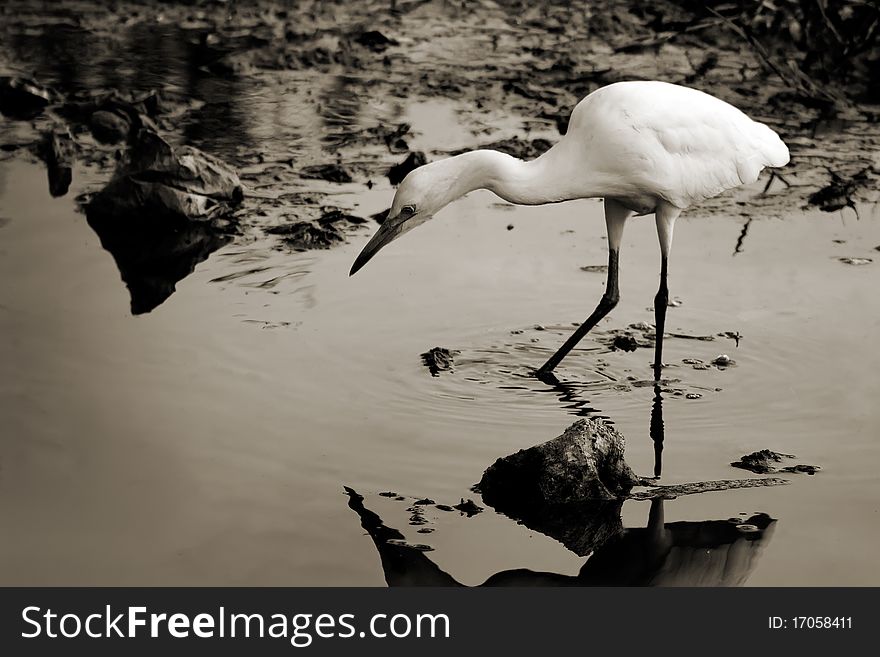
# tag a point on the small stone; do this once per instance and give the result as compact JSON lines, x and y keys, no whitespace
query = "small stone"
{"x":624,"y":343}
{"x":722,"y":360}
{"x":856,"y":261}
{"x":693,"y":395}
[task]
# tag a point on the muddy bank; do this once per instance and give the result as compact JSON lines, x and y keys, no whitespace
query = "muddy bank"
{"x":346,"y":70}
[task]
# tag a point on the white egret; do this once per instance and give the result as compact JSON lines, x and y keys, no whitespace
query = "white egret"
{"x":645,"y":147}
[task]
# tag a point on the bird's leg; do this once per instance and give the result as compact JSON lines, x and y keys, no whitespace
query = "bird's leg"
{"x":666,"y":216}
{"x":615,"y":218}
{"x":661,"y":301}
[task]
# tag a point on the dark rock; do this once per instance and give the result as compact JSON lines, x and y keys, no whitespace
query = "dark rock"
{"x":438,"y":359}
{"x":398,"y":172}
{"x":58,"y":151}
{"x":306,"y":236}
{"x":329,"y":172}
{"x":21,"y":98}
{"x":584,"y":464}
{"x":444,"y":507}
{"x":624,"y":342}
{"x":157,"y":179}
{"x":374,"y":40}
{"x":109,"y":127}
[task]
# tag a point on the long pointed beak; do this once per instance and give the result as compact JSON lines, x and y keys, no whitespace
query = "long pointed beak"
{"x":390,"y":230}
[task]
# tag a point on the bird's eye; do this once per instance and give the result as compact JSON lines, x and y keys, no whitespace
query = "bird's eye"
{"x":408,"y":210}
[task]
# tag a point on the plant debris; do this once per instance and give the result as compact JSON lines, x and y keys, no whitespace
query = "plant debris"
{"x":762,"y":462}
{"x":438,"y":359}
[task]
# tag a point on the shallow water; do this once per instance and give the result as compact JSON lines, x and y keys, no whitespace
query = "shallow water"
{"x":208,"y":441}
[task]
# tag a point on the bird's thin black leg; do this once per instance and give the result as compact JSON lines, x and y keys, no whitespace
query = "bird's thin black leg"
{"x":661,"y":301}
{"x":606,"y":304}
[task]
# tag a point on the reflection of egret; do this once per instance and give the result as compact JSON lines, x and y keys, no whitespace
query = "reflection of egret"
{"x":707,"y":553}
{"x":646,"y":147}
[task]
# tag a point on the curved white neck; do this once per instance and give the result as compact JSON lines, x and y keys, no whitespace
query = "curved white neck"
{"x":539,"y":181}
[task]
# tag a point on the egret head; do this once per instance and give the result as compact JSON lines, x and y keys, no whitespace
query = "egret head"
{"x":422,"y":193}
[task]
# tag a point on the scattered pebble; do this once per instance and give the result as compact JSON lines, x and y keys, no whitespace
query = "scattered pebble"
{"x":624,"y":343}
{"x":693,"y":395}
{"x":509,"y":226}
{"x":675,"y":302}
{"x":723,"y":360}
{"x":595,"y":269}
{"x":444,"y":507}
{"x":856,"y":261}
{"x":540,"y":327}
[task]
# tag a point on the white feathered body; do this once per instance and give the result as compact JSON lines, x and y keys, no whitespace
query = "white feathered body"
{"x":641,"y":142}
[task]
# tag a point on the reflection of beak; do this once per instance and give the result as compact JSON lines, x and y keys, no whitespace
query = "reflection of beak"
{"x":390,"y":230}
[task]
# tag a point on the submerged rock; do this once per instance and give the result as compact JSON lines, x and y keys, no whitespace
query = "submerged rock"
{"x":438,"y":359}
{"x":21,"y":98}
{"x":158,"y":179}
{"x":398,"y":172}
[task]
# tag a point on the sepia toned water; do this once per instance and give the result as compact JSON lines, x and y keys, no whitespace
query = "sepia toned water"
{"x":208,"y":441}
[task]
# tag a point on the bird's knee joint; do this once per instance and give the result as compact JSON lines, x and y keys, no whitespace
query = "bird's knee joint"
{"x":610,"y":300}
